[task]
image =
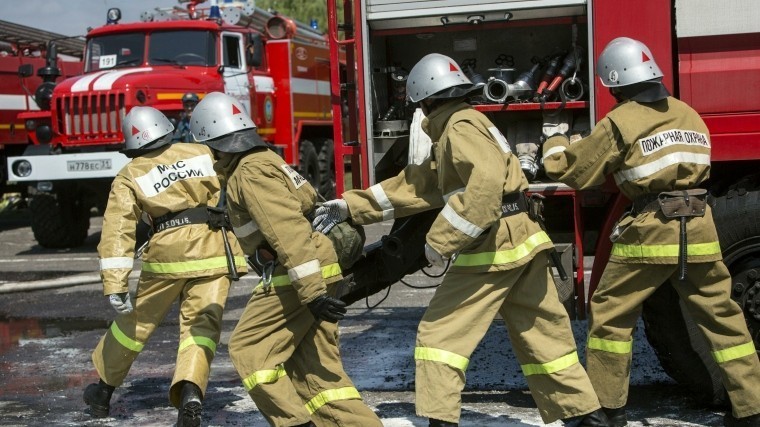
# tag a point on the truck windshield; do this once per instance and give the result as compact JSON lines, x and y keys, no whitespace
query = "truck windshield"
{"x":182,"y":48}
{"x":115,"y":51}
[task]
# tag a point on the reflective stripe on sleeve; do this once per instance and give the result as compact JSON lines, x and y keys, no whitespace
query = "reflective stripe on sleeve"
{"x":506,"y":256}
{"x":306,"y":269}
{"x":265,"y":376}
{"x":328,"y":271}
{"x":554,"y":150}
{"x":550,"y":367}
{"x":199,"y":341}
{"x":383,"y":201}
{"x":320,"y":400}
{"x":124,"y":340}
{"x":117,"y":262}
{"x":610,"y":346}
{"x":190,"y":266}
{"x":437,"y":355}
{"x":460,"y":223}
{"x":500,"y":139}
{"x":648,"y":169}
{"x":736,"y":352}
{"x":646,"y":251}
{"x":246,"y":229}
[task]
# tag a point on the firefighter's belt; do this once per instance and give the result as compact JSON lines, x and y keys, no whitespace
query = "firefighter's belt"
{"x":215,"y":217}
{"x":513,"y":204}
{"x":673,"y":204}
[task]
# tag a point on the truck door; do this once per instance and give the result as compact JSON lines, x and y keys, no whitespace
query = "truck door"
{"x":235,"y":73}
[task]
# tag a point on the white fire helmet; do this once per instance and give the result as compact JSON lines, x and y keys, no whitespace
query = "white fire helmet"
{"x":145,"y":129}
{"x":433,"y":75}
{"x":625,"y":61}
{"x":222,"y":122}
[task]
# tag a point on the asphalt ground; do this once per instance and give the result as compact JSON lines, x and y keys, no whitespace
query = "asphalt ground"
{"x":52,"y":314}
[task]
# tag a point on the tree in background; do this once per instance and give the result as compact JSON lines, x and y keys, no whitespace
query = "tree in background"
{"x":301,"y":10}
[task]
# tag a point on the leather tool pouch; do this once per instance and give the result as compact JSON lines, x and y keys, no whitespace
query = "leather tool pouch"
{"x":684,"y":203}
{"x":536,"y":207}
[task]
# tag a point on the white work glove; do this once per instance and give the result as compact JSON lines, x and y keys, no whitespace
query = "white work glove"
{"x":329,"y":215}
{"x":433,"y":257}
{"x":555,"y":122}
{"x":121,"y":302}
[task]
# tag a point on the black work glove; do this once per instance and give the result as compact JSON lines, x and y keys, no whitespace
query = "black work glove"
{"x":327,"y":308}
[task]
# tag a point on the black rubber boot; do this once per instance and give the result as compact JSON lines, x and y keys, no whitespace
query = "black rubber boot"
{"x":309,"y":424}
{"x":616,"y":416}
{"x":98,"y":397}
{"x":751,"y":421}
{"x":592,"y":419}
{"x":189,"y":414}
{"x":439,"y":423}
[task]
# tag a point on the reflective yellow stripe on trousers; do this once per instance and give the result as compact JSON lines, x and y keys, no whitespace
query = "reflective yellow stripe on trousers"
{"x":327,"y":396}
{"x":328,"y":271}
{"x":550,"y":367}
{"x":610,"y":346}
{"x":437,"y":355}
{"x":124,"y":340}
{"x":199,"y":341}
{"x":735,"y":352}
{"x":264,"y":376}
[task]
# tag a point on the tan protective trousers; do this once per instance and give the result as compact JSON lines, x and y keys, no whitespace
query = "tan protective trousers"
{"x":290,"y":364}
{"x":616,"y":306}
{"x":200,"y":321}
{"x":459,"y":315}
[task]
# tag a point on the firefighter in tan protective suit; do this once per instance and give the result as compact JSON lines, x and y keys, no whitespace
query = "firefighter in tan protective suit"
{"x":190,"y":257}
{"x":285,"y":345}
{"x":658,"y":150}
{"x":499,"y":256}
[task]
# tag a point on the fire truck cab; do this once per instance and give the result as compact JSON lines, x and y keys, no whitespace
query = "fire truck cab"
{"x":531,"y":55}
{"x":276,"y":67}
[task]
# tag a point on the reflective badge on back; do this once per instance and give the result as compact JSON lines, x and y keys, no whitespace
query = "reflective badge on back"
{"x":162,"y":177}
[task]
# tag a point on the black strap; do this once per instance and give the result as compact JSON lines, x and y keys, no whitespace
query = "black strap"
{"x":513,"y":204}
{"x":189,"y":216}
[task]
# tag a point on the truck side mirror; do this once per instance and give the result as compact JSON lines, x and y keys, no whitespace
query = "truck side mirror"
{"x":254,"y":52}
{"x":25,"y":70}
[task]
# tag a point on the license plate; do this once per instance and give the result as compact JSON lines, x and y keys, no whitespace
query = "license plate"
{"x":88,"y":165}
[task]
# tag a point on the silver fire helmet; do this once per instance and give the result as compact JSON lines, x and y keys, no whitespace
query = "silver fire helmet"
{"x":625,"y":61}
{"x":145,"y":129}
{"x":222,"y":122}
{"x":437,"y":76}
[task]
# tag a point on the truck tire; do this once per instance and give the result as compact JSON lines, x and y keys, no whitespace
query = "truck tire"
{"x":327,"y":169}
{"x":308,"y":161}
{"x":680,"y":347}
{"x":58,"y":221}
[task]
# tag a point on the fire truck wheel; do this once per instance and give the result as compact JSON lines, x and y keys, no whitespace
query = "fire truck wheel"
{"x":58,"y":222}
{"x":309,"y":163}
{"x":327,"y":169}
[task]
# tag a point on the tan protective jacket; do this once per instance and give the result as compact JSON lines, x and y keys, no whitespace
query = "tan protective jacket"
{"x":268,"y":203}
{"x":168,"y":179}
{"x":648,"y":148}
{"x":471,"y":169}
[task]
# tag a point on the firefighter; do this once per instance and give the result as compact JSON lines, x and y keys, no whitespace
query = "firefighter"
{"x":498,"y":254}
{"x":285,"y":345}
{"x":658,"y":150}
{"x":182,"y":133}
{"x":176,"y":187}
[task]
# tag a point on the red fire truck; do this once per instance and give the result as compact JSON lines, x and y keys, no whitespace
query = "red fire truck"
{"x":278,"y":69}
{"x":709,"y":52}
{"x":25,"y":47}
